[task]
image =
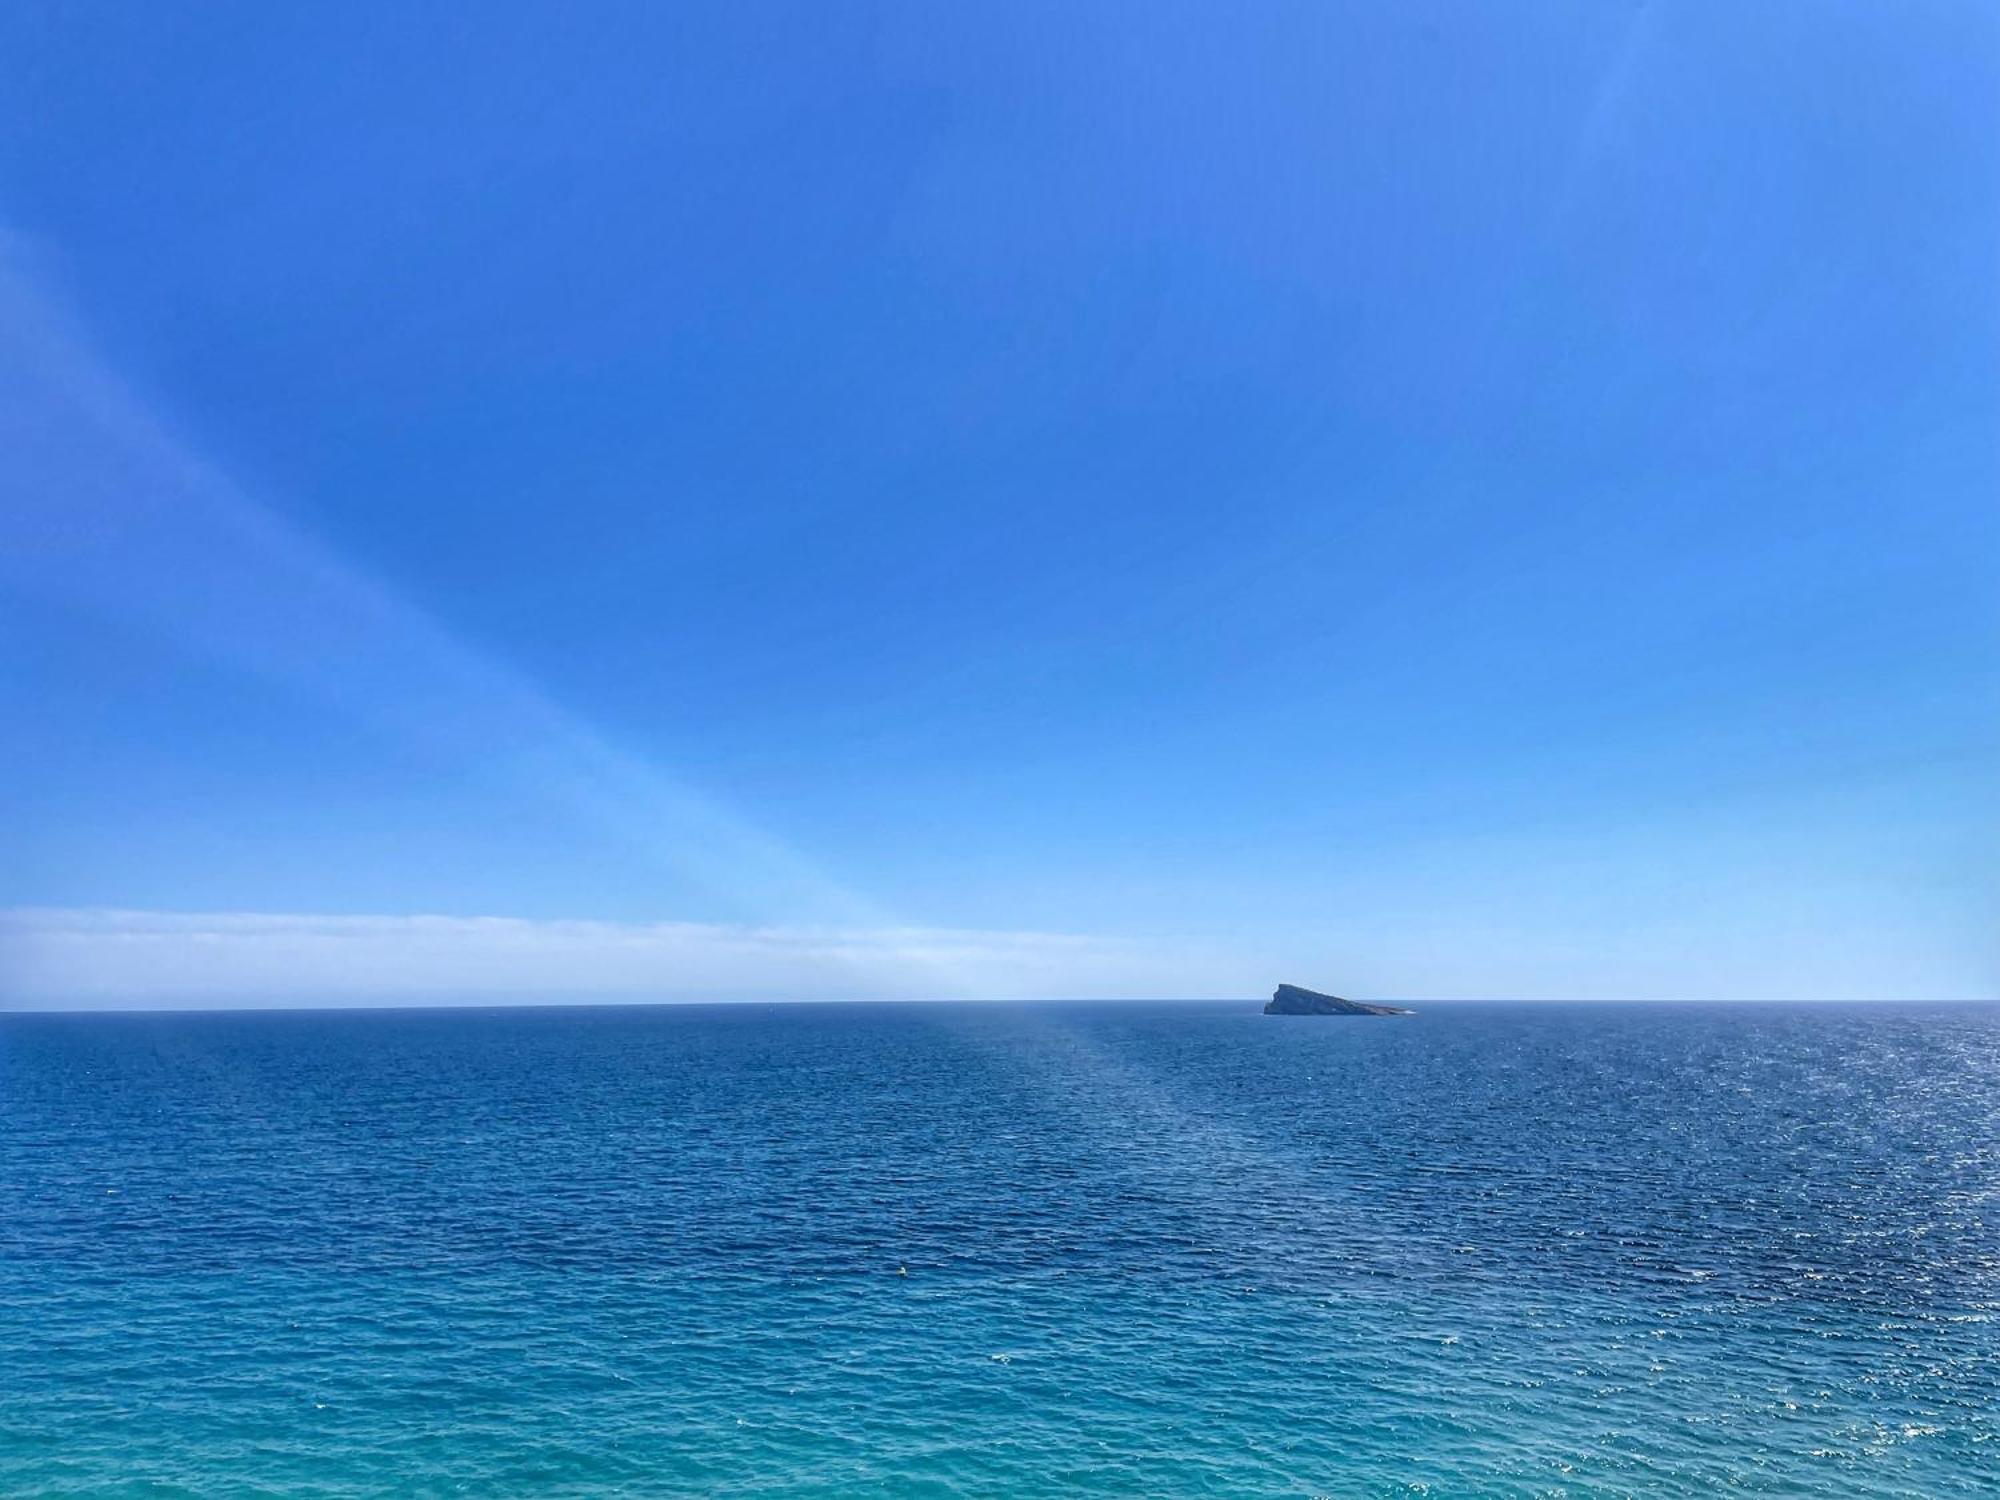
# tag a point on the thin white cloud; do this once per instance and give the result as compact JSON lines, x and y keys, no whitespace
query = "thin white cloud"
{"x":111,"y":511}
{"x":63,"y":958}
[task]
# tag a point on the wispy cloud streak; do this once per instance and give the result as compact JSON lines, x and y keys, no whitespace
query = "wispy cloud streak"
{"x":111,"y":511}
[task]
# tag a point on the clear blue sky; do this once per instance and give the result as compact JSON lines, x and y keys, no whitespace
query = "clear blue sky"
{"x":1423,"y":499}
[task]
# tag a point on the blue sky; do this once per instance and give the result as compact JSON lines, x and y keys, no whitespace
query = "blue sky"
{"x":746,"y":500}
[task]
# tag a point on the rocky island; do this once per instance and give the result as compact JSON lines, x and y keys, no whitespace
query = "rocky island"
{"x":1290,"y":1000}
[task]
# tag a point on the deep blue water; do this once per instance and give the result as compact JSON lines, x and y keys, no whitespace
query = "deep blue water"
{"x":1151,"y":1250}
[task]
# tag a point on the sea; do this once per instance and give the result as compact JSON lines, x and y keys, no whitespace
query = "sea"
{"x":1093,"y":1249}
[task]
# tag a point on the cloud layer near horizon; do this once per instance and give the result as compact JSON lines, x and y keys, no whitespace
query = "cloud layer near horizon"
{"x":57,"y":958}
{"x":112,"y":959}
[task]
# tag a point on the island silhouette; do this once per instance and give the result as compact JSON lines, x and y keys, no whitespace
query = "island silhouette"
{"x":1295,"y":1000}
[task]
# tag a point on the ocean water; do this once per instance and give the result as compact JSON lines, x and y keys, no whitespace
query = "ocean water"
{"x":935,"y":1250}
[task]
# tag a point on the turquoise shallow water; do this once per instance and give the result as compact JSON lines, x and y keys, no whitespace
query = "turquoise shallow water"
{"x":1151,"y":1249}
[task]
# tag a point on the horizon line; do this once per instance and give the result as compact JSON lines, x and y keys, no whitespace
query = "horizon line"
{"x":366,"y":1007}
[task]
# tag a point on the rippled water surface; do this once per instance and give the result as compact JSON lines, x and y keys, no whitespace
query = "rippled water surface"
{"x":1143,"y":1249}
